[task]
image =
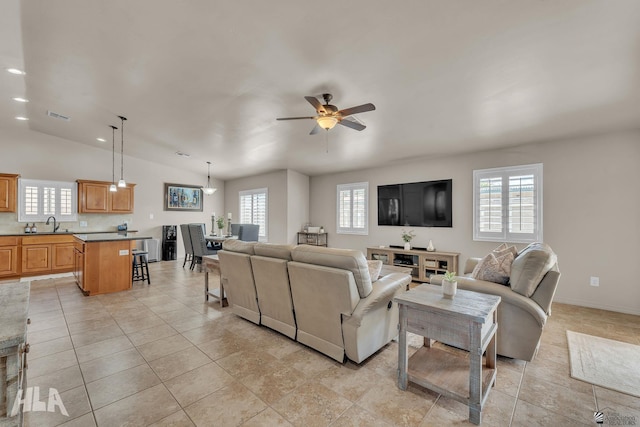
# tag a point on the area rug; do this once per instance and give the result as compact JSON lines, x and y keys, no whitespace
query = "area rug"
{"x":606,"y":363}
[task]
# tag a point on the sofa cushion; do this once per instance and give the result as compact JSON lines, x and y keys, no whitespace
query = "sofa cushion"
{"x":233,"y":245}
{"x":375,"y":266}
{"x":345,"y":259}
{"x":492,"y":268}
{"x":273,"y":250}
{"x":530,"y":266}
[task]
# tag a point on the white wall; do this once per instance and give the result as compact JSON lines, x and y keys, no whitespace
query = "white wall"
{"x":288,"y":199}
{"x":276,"y":184}
{"x":297,"y":204}
{"x":591,"y":211}
{"x":37,"y":156}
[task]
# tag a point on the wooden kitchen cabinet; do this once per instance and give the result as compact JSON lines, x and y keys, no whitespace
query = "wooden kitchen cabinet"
{"x":47,"y":253}
{"x":78,"y":265}
{"x":36,"y":258}
{"x":122,"y":200}
{"x":95,"y":197}
{"x":62,"y":256}
{"x":9,"y":256}
{"x":8,"y":192}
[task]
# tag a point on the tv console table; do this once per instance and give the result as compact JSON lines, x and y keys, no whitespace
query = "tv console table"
{"x":423,"y":264}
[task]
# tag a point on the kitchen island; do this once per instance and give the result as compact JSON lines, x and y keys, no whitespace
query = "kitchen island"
{"x":102,"y":262}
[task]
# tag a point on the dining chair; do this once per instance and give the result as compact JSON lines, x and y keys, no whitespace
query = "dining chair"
{"x":200,"y":249}
{"x":249,"y":232}
{"x":188,"y":246}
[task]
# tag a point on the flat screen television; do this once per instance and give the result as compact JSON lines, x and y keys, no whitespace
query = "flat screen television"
{"x":416,"y":204}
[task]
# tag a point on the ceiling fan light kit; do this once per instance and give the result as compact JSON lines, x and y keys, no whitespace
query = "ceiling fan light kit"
{"x":328,"y":115}
{"x":327,"y":122}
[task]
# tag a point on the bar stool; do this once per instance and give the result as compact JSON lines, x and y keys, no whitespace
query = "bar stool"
{"x":140,"y":263}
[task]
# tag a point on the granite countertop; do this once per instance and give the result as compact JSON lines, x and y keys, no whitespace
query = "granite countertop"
{"x":51,"y":233}
{"x":14,"y":306}
{"x":108,"y":237}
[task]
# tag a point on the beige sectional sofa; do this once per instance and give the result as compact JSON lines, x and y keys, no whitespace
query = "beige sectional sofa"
{"x":526,"y":299}
{"x":321,"y":297}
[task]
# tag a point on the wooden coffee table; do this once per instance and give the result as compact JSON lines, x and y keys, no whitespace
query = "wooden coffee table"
{"x":468,"y":321}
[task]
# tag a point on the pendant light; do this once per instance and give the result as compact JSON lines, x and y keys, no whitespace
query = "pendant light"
{"x":208,"y":190}
{"x":122,"y":182}
{"x":113,"y":187}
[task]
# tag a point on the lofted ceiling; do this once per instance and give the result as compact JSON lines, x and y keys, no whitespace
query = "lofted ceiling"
{"x":209,"y":78}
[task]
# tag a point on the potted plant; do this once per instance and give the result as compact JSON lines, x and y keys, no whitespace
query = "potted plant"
{"x":407,"y":236}
{"x":220,"y":223}
{"x":449,"y":284}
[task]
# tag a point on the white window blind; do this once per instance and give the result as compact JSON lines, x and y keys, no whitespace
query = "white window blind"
{"x":507,"y":204}
{"x":352,"y":208}
{"x":38,"y":200}
{"x":253,"y":209}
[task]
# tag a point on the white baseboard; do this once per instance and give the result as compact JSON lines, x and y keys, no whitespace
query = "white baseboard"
{"x":583,"y":303}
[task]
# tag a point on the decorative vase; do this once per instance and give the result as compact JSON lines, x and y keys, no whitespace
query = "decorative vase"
{"x":449,"y":289}
{"x":430,"y":247}
{"x":407,"y":246}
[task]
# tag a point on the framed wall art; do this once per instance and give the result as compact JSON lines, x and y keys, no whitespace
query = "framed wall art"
{"x":181,"y":197}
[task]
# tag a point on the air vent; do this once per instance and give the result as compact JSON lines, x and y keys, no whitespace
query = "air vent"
{"x":58,"y":116}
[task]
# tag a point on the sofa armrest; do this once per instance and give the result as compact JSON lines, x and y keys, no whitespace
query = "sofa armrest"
{"x":546,"y":290}
{"x":388,"y":269}
{"x":383,"y":292}
{"x":508,"y":296}
{"x":436,"y":279}
{"x":470,"y":265}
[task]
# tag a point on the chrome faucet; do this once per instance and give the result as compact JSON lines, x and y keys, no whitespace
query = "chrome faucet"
{"x":55,"y":227}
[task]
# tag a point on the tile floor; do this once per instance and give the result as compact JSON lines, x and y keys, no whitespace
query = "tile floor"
{"x":159,"y":355}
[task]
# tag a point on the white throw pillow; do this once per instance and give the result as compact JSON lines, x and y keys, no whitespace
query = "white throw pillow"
{"x":496,"y":269}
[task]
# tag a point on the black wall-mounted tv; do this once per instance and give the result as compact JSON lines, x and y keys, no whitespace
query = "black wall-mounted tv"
{"x":416,"y":204}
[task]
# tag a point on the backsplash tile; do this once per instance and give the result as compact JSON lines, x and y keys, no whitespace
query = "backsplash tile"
{"x":9,"y":223}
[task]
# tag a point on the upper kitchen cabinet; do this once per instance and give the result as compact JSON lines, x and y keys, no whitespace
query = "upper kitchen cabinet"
{"x":8,"y":192}
{"x":122,"y":200}
{"x":95,"y":197}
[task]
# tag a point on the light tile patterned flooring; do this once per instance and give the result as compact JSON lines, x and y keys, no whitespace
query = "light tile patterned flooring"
{"x":159,"y":355}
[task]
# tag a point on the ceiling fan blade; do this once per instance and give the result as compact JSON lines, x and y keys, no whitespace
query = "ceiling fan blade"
{"x":316,"y":104}
{"x":315,"y":129}
{"x":355,"y":110}
{"x":352,"y":124}
{"x":294,"y":118}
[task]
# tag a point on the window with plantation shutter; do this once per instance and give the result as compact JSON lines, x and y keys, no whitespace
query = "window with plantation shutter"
{"x":507,"y":204}
{"x":352,"y":208}
{"x":38,"y":200}
{"x":253,"y":209}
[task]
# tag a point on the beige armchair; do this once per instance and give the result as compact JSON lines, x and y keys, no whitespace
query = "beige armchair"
{"x":521,"y":318}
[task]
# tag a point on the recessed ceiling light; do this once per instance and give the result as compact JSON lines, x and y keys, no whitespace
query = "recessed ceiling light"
{"x":22,"y":118}
{"x":181,"y":154}
{"x":16,"y":71}
{"x":101,"y":139}
{"x":18,"y":99}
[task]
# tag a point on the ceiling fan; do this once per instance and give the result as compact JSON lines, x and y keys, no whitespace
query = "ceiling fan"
{"x":329,"y":115}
